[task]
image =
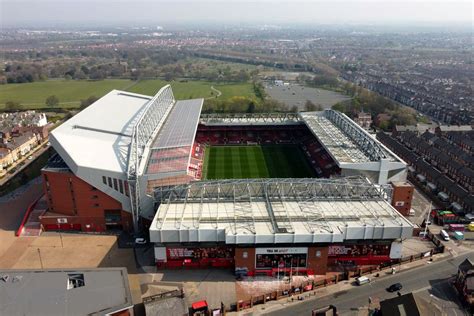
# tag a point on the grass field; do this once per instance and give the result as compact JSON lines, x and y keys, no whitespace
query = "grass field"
{"x":242,"y":162}
{"x":70,"y":92}
{"x":194,"y":89}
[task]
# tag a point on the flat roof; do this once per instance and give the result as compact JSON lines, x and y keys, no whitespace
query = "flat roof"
{"x":45,"y":292}
{"x":99,"y":136}
{"x":257,"y":212}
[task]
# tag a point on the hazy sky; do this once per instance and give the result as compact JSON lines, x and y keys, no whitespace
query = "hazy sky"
{"x":121,"y":12}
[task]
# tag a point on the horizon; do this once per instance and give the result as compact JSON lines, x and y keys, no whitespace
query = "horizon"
{"x":107,"y":13}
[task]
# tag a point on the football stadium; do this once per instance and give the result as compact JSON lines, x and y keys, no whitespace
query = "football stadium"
{"x":255,"y":192}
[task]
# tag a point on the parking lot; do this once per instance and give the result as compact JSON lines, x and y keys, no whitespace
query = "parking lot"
{"x":297,"y":95}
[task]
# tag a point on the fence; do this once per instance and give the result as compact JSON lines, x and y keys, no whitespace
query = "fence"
{"x":312,"y":285}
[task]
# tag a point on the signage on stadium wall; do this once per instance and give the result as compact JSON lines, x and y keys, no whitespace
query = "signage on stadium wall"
{"x":358,"y":250}
{"x":292,"y":250}
{"x":200,"y":252}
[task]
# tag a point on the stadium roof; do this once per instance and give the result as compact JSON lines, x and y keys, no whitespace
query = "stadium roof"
{"x":64,"y":292}
{"x":276,"y":211}
{"x":346,"y":141}
{"x":99,"y":136}
{"x":171,"y":149}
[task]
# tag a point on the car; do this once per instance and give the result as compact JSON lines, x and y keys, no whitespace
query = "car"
{"x":395,"y":287}
{"x":140,"y":241}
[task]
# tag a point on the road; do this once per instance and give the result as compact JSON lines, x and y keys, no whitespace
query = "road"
{"x":431,"y":280}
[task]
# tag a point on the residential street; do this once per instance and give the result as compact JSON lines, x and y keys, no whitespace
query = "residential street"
{"x":431,"y":280}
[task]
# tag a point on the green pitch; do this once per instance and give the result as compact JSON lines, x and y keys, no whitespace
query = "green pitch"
{"x":241,"y":162}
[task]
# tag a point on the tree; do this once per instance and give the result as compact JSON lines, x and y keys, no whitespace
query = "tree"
{"x":310,"y":106}
{"x":294,"y":109}
{"x":85,"y":103}
{"x":52,"y":101}
{"x":12,"y":106}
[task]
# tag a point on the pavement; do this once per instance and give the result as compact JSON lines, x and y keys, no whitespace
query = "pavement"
{"x":431,"y":279}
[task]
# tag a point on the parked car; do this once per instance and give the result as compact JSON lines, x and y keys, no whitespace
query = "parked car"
{"x":395,"y":287}
{"x":362,"y":280}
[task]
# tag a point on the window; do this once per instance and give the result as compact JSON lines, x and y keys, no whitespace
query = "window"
{"x":104,"y":180}
{"x":75,"y":281}
{"x":126,"y":188}
{"x":110,"y":181}
{"x":121,"y":186}
{"x":115,"y":185}
{"x":96,"y":205}
{"x":95,"y":197}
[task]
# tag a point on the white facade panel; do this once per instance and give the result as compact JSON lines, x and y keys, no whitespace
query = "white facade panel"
{"x":265,"y":239}
{"x":160,"y":254}
{"x":171,"y":235}
{"x":184,"y":235}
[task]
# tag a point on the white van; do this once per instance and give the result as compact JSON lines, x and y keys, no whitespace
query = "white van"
{"x":412,"y":212}
{"x":362,"y":280}
{"x":444,"y":234}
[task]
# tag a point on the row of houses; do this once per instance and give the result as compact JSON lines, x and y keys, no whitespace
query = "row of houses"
{"x":20,"y":135}
{"x":450,"y":178}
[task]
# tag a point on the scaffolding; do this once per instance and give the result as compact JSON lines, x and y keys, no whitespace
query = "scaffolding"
{"x":144,"y":131}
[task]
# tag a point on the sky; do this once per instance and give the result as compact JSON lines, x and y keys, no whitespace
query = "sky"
{"x":217,"y":12}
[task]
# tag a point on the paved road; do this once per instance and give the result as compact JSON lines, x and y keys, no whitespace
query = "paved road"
{"x":432,"y":278}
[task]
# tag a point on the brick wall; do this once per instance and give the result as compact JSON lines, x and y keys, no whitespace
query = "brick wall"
{"x":318,"y":259}
{"x":69,"y":196}
{"x":402,"y":197}
{"x":248,"y":262}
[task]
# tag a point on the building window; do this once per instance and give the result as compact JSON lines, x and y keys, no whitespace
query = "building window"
{"x":115,"y":185}
{"x":95,"y":197}
{"x":75,"y":280}
{"x":110,"y":181}
{"x":126,"y":188}
{"x":121,"y":186}
{"x":104,"y":180}
{"x":96,"y":205}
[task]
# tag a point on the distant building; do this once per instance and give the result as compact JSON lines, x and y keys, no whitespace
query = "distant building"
{"x":363,"y":119}
{"x":382,"y":118}
{"x":103,"y":291}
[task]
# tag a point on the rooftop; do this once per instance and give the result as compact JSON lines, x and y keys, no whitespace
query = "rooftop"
{"x":276,"y":211}
{"x":64,"y":292}
{"x":99,"y":136}
{"x":171,"y":149}
{"x":346,"y":141}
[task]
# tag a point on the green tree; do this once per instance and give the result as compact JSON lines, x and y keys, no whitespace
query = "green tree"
{"x":12,"y":106}
{"x":52,"y":101}
{"x":85,"y":103}
{"x":294,"y":109}
{"x":310,"y":106}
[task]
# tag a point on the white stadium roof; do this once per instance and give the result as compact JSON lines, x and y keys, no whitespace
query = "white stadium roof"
{"x":277,"y":211}
{"x":99,"y":136}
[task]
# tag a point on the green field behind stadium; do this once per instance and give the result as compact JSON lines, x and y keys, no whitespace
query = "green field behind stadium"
{"x":242,"y":162}
{"x":71,"y":92}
